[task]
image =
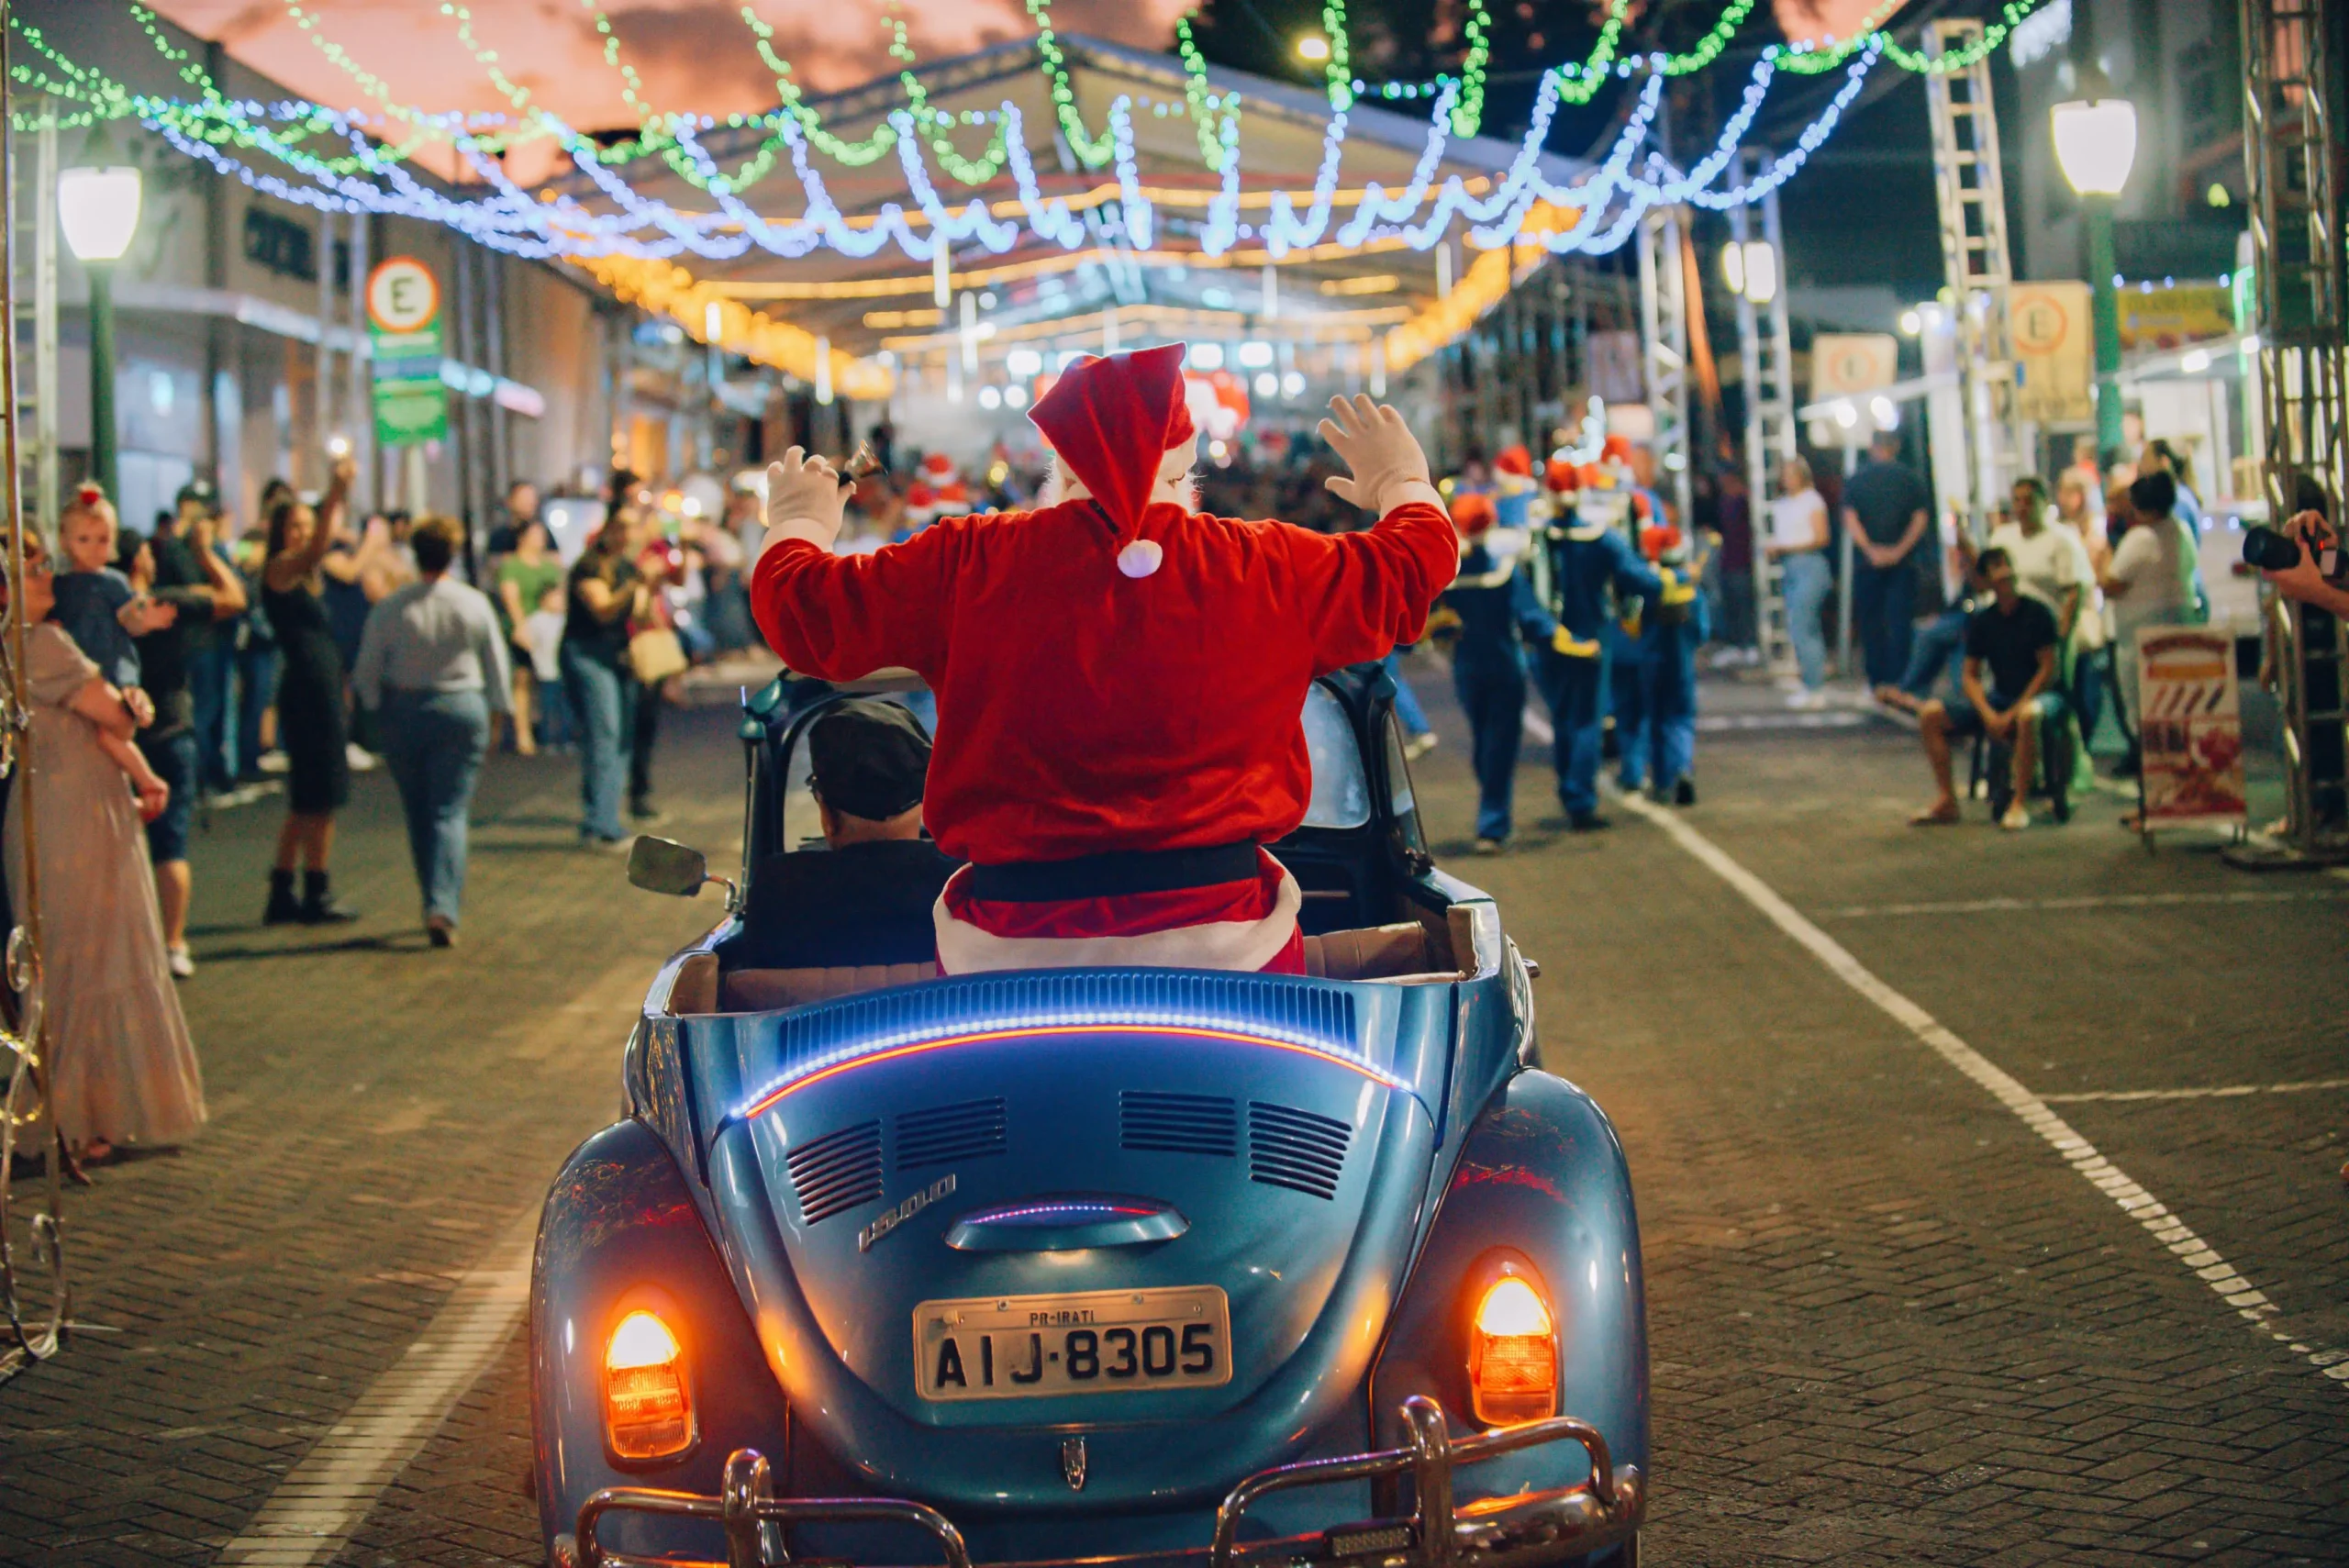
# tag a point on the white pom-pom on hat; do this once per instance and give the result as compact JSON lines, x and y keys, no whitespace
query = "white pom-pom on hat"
{"x":1141,"y":557}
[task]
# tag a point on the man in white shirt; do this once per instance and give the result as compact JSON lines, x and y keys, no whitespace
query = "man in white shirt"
{"x":2051,"y":563}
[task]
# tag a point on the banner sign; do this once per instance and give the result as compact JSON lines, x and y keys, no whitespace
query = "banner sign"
{"x":404,"y":328}
{"x":2174,"y":316}
{"x":2048,"y":327}
{"x":1845,"y":362}
{"x":2191,"y":728}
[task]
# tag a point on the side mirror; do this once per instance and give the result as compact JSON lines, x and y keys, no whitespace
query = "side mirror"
{"x":659,"y":865}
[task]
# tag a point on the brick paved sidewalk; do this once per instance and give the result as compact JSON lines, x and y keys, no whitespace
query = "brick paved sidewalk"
{"x":380,"y":1111}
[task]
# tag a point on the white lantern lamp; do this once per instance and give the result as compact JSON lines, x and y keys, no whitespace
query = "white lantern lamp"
{"x":98,"y":209}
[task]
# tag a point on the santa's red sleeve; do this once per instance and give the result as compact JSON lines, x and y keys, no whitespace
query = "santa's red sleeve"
{"x":840,"y":617}
{"x":1359,"y":594}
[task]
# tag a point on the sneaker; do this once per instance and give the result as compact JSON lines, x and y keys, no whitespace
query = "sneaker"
{"x":1587,"y":822}
{"x":361,"y":759}
{"x":182,"y":962}
{"x":2015,"y":818}
{"x":1684,"y":792}
{"x":273,"y":762}
{"x":1419,"y":746}
{"x":1488,"y":846}
{"x":440,"y":933}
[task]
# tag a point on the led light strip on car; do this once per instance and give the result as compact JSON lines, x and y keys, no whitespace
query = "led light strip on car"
{"x":831,"y":1065}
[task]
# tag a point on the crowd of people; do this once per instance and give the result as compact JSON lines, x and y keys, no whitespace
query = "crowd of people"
{"x":206,"y":660}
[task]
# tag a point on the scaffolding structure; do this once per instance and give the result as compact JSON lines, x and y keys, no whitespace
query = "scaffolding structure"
{"x":2290,"y":138}
{"x":1972,"y":198}
{"x":1664,"y":347}
{"x":1766,"y":362}
{"x":35,"y":293}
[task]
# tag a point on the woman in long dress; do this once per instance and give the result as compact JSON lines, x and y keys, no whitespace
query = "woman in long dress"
{"x":121,"y":1066}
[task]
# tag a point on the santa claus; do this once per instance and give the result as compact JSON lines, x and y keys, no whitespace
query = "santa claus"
{"x":1119,"y":676}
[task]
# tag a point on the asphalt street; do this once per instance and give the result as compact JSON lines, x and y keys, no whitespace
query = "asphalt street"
{"x":1989,"y":1182}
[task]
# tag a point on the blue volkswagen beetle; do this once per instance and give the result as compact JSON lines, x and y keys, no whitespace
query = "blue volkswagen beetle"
{"x":1105,"y":1266}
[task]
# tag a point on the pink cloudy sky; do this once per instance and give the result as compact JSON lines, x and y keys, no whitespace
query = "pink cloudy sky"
{"x":689,"y":53}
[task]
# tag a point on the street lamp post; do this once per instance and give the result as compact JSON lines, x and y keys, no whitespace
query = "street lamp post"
{"x":2096,"y":142}
{"x":98,"y":209}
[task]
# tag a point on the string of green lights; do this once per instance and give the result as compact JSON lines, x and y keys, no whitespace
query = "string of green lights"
{"x":218,"y":119}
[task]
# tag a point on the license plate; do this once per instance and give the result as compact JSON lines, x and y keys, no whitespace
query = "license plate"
{"x":1102,"y":1341}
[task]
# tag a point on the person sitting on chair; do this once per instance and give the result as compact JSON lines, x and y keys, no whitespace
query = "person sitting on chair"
{"x":869,"y":899}
{"x":2014,"y":638}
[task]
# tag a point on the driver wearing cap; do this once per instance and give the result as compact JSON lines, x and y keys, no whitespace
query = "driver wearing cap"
{"x":1119,"y":676}
{"x":869,"y":899}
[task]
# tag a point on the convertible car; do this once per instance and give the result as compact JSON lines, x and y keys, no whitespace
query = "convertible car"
{"x":1097,"y":1266}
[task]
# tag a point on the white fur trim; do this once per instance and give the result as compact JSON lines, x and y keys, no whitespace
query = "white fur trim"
{"x":963,"y":949}
{"x":1407,"y":492}
{"x":1141,"y":557}
{"x":813,"y":529}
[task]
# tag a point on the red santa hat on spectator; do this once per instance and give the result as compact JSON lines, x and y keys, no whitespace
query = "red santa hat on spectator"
{"x":1111,"y":422}
{"x":1562,"y":475}
{"x":1515,"y":460}
{"x":1472,"y":513}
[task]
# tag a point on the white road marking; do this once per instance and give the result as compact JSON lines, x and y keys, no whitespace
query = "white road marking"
{"x":323,"y":1499}
{"x":2225,"y":1092}
{"x":1537,"y":724}
{"x":2098,"y":901}
{"x":2190,"y":1250}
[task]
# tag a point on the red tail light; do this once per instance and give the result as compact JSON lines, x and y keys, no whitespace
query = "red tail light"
{"x":646,"y":1412}
{"x":1512,"y":1354}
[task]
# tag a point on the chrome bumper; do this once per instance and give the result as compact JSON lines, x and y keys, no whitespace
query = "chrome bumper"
{"x":1525,"y":1531}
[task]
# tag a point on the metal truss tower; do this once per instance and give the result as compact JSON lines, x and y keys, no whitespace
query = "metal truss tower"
{"x":36,"y":293}
{"x":2290,"y":139}
{"x":1663,"y":346}
{"x":1765,"y":362}
{"x":1971,"y":195}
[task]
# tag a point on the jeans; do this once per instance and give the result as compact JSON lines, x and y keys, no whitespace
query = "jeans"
{"x":603,"y":699}
{"x":1734,"y":612}
{"x":1491,"y":685}
{"x":208,"y":683}
{"x":1408,"y":712}
{"x":1570,"y":687}
{"x":257,"y":666}
{"x":2089,"y":673}
{"x":1807,"y":580}
{"x":1937,"y":659}
{"x":1884,"y":616}
{"x":434,"y":744}
{"x":552,"y":703}
{"x":640,"y":752}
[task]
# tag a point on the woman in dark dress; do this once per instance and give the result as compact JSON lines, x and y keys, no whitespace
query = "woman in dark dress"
{"x":309,"y":702}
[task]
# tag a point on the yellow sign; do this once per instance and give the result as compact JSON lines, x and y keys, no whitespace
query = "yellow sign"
{"x":2048,"y":327}
{"x":2173,"y":317}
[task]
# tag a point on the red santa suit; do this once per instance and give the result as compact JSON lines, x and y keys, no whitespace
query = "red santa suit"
{"x":1119,"y":683}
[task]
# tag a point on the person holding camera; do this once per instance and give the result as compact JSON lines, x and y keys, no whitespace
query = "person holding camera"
{"x":2304,"y":581}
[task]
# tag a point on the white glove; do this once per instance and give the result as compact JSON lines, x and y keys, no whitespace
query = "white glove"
{"x":804,"y":501}
{"x":1380,"y":448}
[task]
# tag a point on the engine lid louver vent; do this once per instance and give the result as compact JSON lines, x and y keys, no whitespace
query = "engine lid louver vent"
{"x":1154,"y":1121}
{"x":836,"y":1172}
{"x":965,"y":1131}
{"x":1296,"y":1150}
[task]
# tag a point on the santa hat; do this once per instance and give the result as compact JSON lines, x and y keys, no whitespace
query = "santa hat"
{"x":1472,"y":513}
{"x":1562,"y":475}
{"x":1515,"y":460}
{"x":1113,"y":421}
{"x":1617,"y":449}
{"x":1658,"y":540}
{"x":938,"y":466}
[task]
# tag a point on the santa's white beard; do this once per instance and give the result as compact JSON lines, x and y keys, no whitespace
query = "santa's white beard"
{"x":1060,"y":485}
